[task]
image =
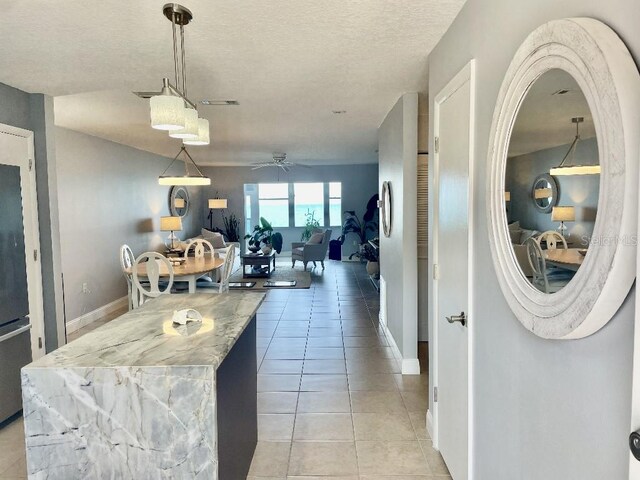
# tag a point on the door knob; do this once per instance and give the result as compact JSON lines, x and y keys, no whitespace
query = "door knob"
{"x":458,"y":318}
{"x":634,"y":444}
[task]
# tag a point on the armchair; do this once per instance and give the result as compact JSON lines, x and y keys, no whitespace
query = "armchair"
{"x":311,"y":252}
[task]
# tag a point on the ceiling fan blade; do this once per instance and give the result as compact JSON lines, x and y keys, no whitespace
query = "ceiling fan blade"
{"x":285,"y":168}
{"x":256,"y":167}
{"x":302,"y":165}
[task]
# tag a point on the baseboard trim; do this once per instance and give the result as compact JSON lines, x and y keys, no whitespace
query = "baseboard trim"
{"x":410,"y":366}
{"x":90,"y":317}
{"x":430,"y":423}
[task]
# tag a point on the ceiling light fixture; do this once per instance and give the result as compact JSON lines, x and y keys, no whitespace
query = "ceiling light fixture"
{"x":573,"y":169}
{"x":187,"y":178}
{"x":171,"y":110}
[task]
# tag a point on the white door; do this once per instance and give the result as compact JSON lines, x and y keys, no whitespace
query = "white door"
{"x":453,"y":158}
{"x":16,"y":152}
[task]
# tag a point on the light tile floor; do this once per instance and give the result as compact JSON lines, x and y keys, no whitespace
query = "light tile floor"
{"x":332,"y":403}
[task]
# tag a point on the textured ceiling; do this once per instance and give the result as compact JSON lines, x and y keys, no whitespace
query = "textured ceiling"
{"x":288,"y":63}
{"x":544,"y":119}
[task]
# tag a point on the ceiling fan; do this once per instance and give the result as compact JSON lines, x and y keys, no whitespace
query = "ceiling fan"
{"x":279,"y":160}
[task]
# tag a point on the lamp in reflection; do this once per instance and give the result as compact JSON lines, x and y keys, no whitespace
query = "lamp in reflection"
{"x":563,"y":214}
{"x":571,"y":168}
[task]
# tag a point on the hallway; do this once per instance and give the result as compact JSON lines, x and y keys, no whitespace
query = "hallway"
{"x":331,"y":400}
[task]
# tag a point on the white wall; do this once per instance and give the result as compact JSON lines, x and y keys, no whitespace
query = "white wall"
{"x":108,"y":195}
{"x":398,"y":153}
{"x":552,"y":410}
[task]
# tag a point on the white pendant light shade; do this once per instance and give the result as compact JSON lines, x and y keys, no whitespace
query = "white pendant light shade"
{"x":194,"y":180}
{"x":203,"y":134}
{"x":167,"y":112}
{"x":576,"y":170}
{"x":190,"y":130}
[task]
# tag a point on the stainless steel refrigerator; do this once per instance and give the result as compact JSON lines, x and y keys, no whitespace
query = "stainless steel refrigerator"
{"x":15,"y":336}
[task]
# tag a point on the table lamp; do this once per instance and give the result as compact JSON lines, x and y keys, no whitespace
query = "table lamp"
{"x":171,"y":224}
{"x":215,"y":204}
{"x":563,"y":214}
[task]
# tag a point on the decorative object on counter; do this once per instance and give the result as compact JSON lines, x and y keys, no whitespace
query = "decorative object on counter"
{"x":386,"y":208}
{"x":572,"y":168}
{"x":179,"y":202}
{"x":563,"y":214}
{"x":352,"y":223}
{"x":171,"y":224}
{"x":263,"y":234}
{"x":310,"y":224}
{"x":187,"y":179}
{"x":215,"y":204}
{"x":186,"y":315}
{"x":171,"y":110}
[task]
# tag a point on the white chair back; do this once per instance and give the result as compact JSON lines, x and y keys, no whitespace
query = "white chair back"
{"x":126,"y":261}
{"x":200,"y":246}
{"x":537,"y":264}
{"x":227,"y":267}
{"x":553,"y":240}
{"x":152,"y":262}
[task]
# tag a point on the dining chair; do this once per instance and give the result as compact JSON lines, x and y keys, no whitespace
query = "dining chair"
{"x":552,"y":239}
{"x":225,"y":272}
{"x":200,"y":246}
{"x":150,"y":287}
{"x":126,"y":261}
{"x":538,"y":264}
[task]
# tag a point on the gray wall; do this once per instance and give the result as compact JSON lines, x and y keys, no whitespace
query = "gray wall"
{"x":398,"y":153}
{"x":359,"y":183}
{"x":579,"y":191}
{"x":543,"y":409}
{"x":34,"y":112}
{"x":108,"y":195}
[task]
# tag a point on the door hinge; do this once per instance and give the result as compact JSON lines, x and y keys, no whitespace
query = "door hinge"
{"x":30,"y":164}
{"x":435,"y":394}
{"x":35,"y":255}
{"x":437,"y":144}
{"x":40,"y":342}
{"x":436,"y":271}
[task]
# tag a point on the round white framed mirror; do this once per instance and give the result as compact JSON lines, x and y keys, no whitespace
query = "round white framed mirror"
{"x":544,"y":191}
{"x":179,"y":201}
{"x":590,"y":54}
{"x":386,"y":208}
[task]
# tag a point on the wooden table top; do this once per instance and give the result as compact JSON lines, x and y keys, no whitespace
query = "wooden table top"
{"x":566,"y":256}
{"x":191,"y":266}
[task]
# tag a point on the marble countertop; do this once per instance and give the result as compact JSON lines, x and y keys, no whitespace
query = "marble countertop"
{"x":147,"y":337}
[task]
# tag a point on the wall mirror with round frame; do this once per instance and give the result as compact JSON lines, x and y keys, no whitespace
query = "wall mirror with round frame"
{"x":179,"y":201}
{"x":570,"y":94}
{"x":386,"y":209}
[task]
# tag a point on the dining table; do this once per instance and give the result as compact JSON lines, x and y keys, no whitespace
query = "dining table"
{"x":567,"y":258}
{"x":189,"y":270}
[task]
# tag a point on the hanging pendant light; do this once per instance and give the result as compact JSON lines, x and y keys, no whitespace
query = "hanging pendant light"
{"x":190,"y":129}
{"x":572,"y":169}
{"x":203,"y":134}
{"x":187,"y":178}
{"x":170,"y":108}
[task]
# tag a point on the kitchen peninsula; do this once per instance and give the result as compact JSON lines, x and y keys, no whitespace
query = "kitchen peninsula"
{"x":143,"y":398}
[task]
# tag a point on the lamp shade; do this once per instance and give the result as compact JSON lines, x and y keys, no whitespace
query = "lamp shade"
{"x":170,"y":224}
{"x":190,"y":129}
{"x":576,"y":170}
{"x":543,"y":193}
{"x":217,"y":203}
{"x":563,"y":214}
{"x":507,"y":196}
{"x":167,"y":112}
{"x":203,"y":134}
{"x":179,"y":203}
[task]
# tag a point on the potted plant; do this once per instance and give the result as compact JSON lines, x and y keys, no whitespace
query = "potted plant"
{"x":263,"y":235}
{"x":232,"y":227}
{"x":370,"y":254}
{"x":352,"y":224}
{"x":310,"y":225}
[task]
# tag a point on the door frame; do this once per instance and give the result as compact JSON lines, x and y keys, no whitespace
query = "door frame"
{"x":466,"y":74}
{"x":32,"y":237}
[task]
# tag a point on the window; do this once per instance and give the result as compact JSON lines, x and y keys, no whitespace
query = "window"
{"x":273,"y":203}
{"x":308,"y":199}
{"x":335,"y":204}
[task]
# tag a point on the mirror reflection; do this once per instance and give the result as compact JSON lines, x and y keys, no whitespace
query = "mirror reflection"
{"x":552,"y":181}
